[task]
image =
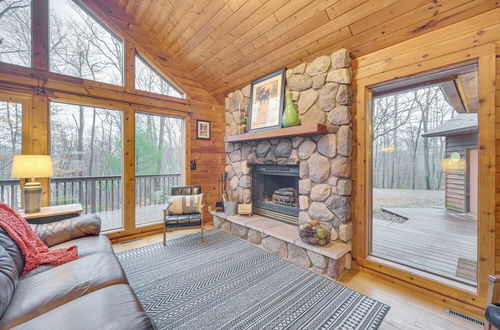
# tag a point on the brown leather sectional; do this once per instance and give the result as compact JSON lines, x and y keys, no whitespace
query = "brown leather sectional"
{"x":91,"y":292}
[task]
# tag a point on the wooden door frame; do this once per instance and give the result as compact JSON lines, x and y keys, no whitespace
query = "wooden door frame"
{"x":465,"y":300}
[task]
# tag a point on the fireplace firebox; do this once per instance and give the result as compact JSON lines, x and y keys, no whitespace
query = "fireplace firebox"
{"x":275,"y":192}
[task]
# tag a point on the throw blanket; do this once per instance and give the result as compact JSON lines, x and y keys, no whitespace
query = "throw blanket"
{"x":34,"y":251}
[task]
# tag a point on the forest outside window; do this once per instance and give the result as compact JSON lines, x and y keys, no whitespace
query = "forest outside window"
{"x":81,"y":46}
{"x":87,"y":158}
{"x":424,"y":174}
{"x":15,"y":32}
{"x":147,"y":79}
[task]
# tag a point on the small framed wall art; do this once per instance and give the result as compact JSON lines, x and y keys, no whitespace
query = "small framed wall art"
{"x":266,"y":101}
{"x":203,"y":129}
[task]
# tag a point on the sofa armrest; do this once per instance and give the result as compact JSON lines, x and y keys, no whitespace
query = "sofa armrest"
{"x":65,"y":230}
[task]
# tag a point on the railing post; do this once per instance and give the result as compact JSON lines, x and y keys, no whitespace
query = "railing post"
{"x":93,"y":201}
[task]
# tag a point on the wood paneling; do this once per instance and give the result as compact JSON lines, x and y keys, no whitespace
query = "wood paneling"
{"x":226,"y":44}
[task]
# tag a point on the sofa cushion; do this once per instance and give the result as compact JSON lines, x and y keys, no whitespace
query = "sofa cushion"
{"x":86,"y":246}
{"x":13,"y":250}
{"x":50,"y":289}
{"x":113,"y":307}
{"x":8,"y":279}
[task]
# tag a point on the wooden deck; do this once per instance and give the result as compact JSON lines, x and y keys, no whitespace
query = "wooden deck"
{"x":432,"y":240}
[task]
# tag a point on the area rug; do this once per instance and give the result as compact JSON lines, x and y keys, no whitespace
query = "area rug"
{"x":226,"y":283}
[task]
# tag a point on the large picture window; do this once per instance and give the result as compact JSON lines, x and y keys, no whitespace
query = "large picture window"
{"x":15,"y":32}
{"x":81,"y":46}
{"x":87,"y":158}
{"x":147,"y":79}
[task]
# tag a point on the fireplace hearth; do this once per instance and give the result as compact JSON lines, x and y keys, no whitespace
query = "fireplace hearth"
{"x":275,"y":192}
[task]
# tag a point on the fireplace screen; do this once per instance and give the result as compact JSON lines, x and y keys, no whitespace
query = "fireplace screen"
{"x":275,"y":192}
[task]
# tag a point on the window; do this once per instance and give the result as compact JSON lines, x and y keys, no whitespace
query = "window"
{"x":87,"y":157}
{"x":425,"y":174}
{"x":81,"y":46}
{"x":159,"y":159}
{"x":15,"y":32}
{"x":147,"y":79}
{"x":10,"y":145}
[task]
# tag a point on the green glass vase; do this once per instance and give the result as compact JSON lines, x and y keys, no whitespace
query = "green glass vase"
{"x":290,"y":114}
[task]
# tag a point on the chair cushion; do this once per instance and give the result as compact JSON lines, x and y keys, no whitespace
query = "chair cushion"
{"x":492,"y":314}
{"x":185,"y":190}
{"x":113,"y":307}
{"x":8,"y":279}
{"x":52,"y":288}
{"x":185,"y":204}
{"x":184,"y":218}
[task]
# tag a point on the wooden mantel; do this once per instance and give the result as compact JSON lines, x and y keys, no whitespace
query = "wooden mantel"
{"x":301,"y":130}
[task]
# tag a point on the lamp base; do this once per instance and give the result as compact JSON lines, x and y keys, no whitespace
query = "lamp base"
{"x":32,"y":197}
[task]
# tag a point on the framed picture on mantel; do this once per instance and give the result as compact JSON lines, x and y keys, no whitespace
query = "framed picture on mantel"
{"x":266,"y":101}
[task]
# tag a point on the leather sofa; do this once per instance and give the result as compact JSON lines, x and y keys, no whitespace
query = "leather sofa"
{"x":91,"y":292}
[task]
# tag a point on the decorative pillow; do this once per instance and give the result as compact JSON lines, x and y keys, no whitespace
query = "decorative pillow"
{"x":185,"y":204}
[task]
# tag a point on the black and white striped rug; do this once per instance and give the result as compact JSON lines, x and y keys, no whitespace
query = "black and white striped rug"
{"x":226,"y":283}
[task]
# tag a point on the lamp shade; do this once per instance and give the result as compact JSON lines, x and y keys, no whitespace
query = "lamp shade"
{"x":31,"y":166}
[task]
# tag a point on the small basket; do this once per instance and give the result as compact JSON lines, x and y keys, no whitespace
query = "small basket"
{"x":314,"y":233}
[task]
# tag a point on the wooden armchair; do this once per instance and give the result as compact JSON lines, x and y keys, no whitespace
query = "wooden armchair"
{"x":186,"y":220}
{"x":492,"y":313}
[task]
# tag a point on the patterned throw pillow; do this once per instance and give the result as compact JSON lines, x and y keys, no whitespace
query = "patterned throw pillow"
{"x":185,"y":204}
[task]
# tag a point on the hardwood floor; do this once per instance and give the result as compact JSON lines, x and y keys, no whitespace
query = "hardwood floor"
{"x":408,"y":310}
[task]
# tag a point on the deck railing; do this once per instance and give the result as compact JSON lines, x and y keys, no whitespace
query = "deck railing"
{"x":97,"y":193}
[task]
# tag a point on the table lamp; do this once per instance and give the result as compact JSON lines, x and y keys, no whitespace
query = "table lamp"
{"x":31,"y":167}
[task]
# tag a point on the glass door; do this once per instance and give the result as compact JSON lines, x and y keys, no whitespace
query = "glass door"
{"x":159,"y":163}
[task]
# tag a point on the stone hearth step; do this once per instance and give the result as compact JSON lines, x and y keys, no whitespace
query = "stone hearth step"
{"x":283,"y":239}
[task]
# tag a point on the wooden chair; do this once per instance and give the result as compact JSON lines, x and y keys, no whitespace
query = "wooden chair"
{"x":492,"y":300}
{"x":182,"y":220}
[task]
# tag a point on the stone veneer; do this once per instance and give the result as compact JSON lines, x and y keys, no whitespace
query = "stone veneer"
{"x":322,"y":94}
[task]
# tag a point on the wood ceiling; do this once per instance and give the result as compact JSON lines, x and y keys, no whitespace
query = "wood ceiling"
{"x":224,"y":44}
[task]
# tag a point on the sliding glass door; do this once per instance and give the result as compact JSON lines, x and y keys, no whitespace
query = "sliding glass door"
{"x":87,"y":156}
{"x":159,"y":163}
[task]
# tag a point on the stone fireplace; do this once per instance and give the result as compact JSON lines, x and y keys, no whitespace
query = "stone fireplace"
{"x":300,"y":178}
{"x":275,"y":192}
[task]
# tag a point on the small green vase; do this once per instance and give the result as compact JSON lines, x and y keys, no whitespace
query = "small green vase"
{"x":290,"y":114}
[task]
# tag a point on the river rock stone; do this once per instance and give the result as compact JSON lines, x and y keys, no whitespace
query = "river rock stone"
{"x":245,"y":181}
{"x":318,"y":66}
{"x":327,"y":96}
{"x":303,"y":202}
{"x":340,"y":115}
{"x":229,"y":171}
{"x":299,"y":69}
{"x":283,"y":149}
{"x":313,"y":116}
{"x":327,"y":145}
{"x":319,"y":211}
{"x":297,"y":140}
{"x":254,"y":236}
{"x":235,"y":100}
{"x":234,"y":182}
{"x":320,"y":192}
{"x":319,"y":81}
{"x":340,"y":206}
{"x":275,"y":246}
{"x":345,"y":231}
{"x":345,"y":141}
{"x":334,"y":234}
{"x":305,"y":186}
{"x":344,"y":95}
{"x":247,"y":196}
{"x":226,"y":227}
{"x":340,"y":76}
{"x":246,"y":91}
{"x":306,"y":149}
{"x":298,"y":255}
{"x":295,"y":96}
{"x":237,"y":168}
{"x":246,"y":150}
{"x":304,"y":217}
{"x":299,"y":82}
{"x":341,"y":59}
{"x":293,"y":159}
{"x":321,"y":167}
{"x":307,"y":99}
{"x":263,"y":148}
{"x":344,"y":187}
{"x":341,"y":167}
{"x":235,"y":156}
{"x":245,"y":169}
{"x":335,"y":268}
{"x":303,"y":169}
{"x":252,"y":158}
{"x":239,"y":231}
{"x":317,"y":259}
